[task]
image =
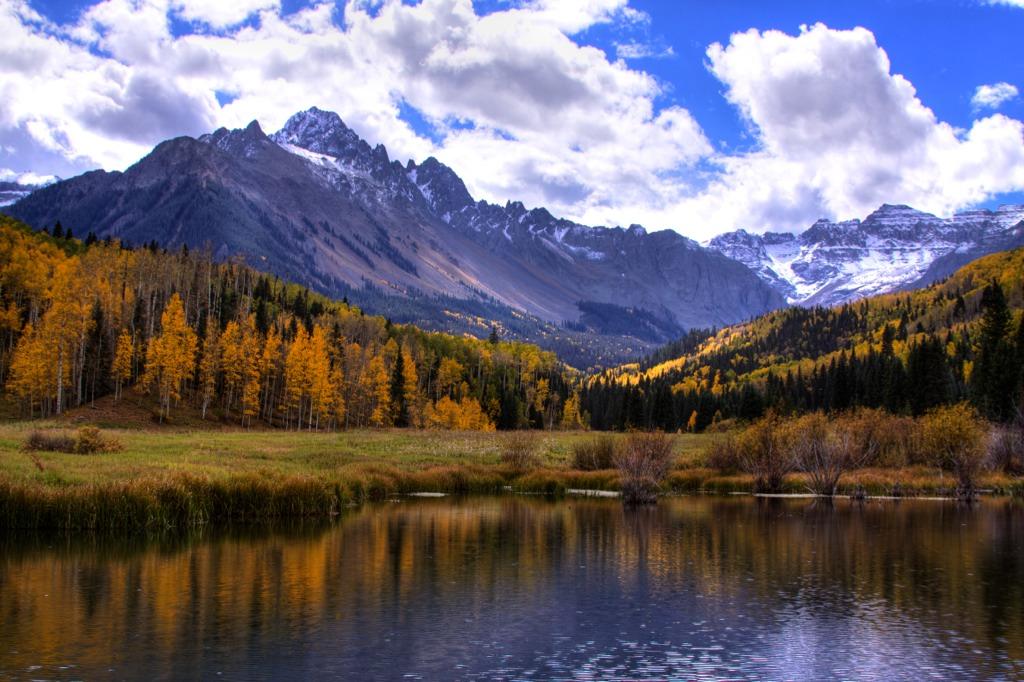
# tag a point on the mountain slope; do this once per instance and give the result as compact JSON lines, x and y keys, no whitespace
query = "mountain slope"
{"x":894,"y":248}
{"x":905,"y":352}
{"x":315,"y":203}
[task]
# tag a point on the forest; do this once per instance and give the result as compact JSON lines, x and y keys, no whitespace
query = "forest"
{"x":84,"y":319}
{"x":961,"y":339}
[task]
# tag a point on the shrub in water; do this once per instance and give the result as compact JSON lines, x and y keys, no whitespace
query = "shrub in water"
{"x":825,"y":451}
{"x":643,"y":462}
{"x":762,"y":454}
{"x":519,"y":450}
{"x":955,"y":438}
{"x":879,"y":438}
{"x":1006,"y":449}
{"x":594,"y":454}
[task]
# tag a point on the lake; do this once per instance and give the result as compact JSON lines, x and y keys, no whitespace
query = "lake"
{"x":512,"y":587}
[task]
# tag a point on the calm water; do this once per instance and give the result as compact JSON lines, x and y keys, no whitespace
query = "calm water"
{"x":523,"y":588}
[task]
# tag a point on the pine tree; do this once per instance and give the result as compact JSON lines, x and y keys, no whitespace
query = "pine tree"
{"x":993,"y":378}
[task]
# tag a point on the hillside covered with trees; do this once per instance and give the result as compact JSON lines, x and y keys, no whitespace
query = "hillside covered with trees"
{"x":80,"y":320}
{"x":960,"y":339}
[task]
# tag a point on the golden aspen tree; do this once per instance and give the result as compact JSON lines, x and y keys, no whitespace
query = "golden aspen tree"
{"x":357,"y":392}
{"x":232,"y":362}
{"x":449,"y":375}
{"x":250,"y":371}
{"x":463,"y":415}
{"x":339,"y":411}
{"x":320,"y":389}
{"x":378,"y":378}
{"x":411,"y":388}
{"x":209,"y":366}
{"x":571,"y":418}
{"x":31,"y":373}
{"x":121,"y":366}
{"x":66,"y":325}
{"x":296,"y":376}
{"x":171,"y":356}
{"x":269,"y":368}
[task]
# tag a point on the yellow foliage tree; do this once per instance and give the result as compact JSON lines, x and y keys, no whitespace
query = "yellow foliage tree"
{"x":121,"y":367}
{"x":464,"y":415}
{"x":377,"y":376}
{"x":171,"y":356}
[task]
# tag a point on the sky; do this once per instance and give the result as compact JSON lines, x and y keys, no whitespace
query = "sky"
{"x":690,"y":115}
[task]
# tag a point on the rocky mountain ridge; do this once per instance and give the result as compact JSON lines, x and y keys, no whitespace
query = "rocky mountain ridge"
{"x":315,"y":203}
{"x":894,"y":248}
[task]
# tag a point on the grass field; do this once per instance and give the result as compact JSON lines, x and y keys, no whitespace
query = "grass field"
{"x":182,"y":475}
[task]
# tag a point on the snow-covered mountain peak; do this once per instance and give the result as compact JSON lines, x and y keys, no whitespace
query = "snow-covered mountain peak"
{"x":323,"y":132}
{"x":442,"y":189}
{"x":893,"y":247}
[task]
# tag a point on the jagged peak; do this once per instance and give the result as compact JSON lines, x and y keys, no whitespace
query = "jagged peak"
{"x":244,"y":141}
{"x":322,"y":132}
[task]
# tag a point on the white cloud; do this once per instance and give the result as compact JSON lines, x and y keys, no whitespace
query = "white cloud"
{"x":553,"y":122}
{"x":28,"y":178}
{"x":522,"y":110}
{"x":222,"y":13}
{"x":838,"y":135}
{"x":994,"y":95}
{"x":635,"y":50}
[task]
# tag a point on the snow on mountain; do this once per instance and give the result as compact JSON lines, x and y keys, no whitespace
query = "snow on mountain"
{"x":834,"y":262}
{"x":318,"y":205}
{"x":15,"y":186}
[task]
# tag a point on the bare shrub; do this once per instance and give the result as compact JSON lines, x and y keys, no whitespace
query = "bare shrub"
{"x":643,"y":462}
{"x":87,"y":440}
{"x":49,"y":441}
{"x":1006,"y":449}
{"x":724,"y":454}
{"x":762,"y":454}
{"x":826,"y":450}
{"x":880,"y":438}
{"x":954,"y":437}
{"x":519,"y":450}
{"x":594,"y":454}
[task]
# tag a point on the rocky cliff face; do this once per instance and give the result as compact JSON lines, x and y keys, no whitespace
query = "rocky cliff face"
{"x":315,"y":203}
{"x":895,"y":247}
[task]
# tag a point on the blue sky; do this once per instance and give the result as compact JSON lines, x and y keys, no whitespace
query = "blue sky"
{"x":658,"y":129}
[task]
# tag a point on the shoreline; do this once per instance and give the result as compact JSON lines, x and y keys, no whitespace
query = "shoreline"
{"x":163,"y":479}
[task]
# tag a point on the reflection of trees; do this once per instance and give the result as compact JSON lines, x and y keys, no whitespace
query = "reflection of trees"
{"x":917,"y":556}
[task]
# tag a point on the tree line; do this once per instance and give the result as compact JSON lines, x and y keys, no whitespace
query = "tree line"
{"x":899,"y":354}
{"x":82,"y":321}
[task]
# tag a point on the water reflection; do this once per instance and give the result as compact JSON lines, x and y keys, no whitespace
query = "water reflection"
{"x":523,"y":588}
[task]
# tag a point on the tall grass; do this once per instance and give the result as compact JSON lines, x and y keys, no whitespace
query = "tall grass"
{"x":520,"y":450}
{"x":594,"y":454}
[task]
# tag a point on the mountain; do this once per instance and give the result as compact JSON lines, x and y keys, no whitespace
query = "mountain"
{"x":315,"y":203}
{"x":894,"y":248}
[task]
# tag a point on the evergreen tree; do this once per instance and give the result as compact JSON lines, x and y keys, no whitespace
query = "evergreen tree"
{"x":399,"y":404}
{"x":994,"y":379}
{"x":928,"y":373}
